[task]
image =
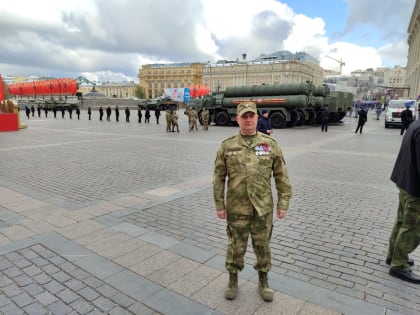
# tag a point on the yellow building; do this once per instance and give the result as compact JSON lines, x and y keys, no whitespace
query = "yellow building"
{"x":154,"y":78}
{"x":111,"y":90}
{"x":413,"y":60}
{"x":220,"y":76}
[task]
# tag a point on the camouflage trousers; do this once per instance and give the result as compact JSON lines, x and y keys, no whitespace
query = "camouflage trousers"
{"x":193,"y":124}
{"x":405,"y":235}
{"x":168,"y":125}
{"x":238,"y":229}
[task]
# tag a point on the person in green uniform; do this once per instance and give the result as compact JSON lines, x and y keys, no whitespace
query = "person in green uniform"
{"x":247,"y":161}
{"x":168,"y":120}
{"x":405,"y":235}
{"x":205,"y":118}
{"x":192,"y":118}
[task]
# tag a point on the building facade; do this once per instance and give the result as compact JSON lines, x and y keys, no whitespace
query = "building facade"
{"x":111,"y":90}
{"x":221,"y":75}
{"x":413,"y":60}
{"x":154,"y":78}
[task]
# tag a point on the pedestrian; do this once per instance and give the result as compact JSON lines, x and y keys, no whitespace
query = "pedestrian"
{"x":27,"y":111}
{"x":62,"y":112}
{"x":325,"y":117}
{"x":378,"y":111}
{"x":362,"y":119}
{"x":38,"y":108}
{"x":46,"y":111}
{"x":174,"y":119}
{"x":147,"y":116}
{"x":139,"y":114}
{"x":192,"y":118}
{"x":247,"y":161}
{"x":117,"y":113}
{"x":108,"y":113}
{"x":101,"y":113}
{"x":90,"y":113}
{"x":405,"y":235}
{"x":168,"y":120}
{"x":406,"y":119}
{"x":264,"y":124}
{"x":205,"y":118}
{"x":127,"y":114}
{"x":157,"y":114}
{"x":70,"y":112}
{"x":78,"y":112}
{"x":54,"y":109}
{"x":33,"y":110}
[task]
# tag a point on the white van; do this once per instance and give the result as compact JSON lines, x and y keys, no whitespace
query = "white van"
{"x":394,"y":109}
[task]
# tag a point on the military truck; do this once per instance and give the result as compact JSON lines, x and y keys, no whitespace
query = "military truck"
{"x":288,"y":104}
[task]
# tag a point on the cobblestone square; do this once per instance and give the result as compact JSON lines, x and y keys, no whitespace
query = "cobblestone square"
{"x":135,"y":200}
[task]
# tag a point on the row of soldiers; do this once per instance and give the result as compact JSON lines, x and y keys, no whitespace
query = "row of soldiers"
{"x":171,"y":116}
{"x":108,"y":112}
{"x":31,"y":110}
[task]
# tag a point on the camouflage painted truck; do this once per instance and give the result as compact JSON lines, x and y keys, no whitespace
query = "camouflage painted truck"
{"x":288,"y":104}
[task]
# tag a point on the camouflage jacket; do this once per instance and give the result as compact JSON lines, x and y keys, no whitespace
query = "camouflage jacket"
{"x":205,"y":115}
{"x":168,"y":116}
{"x":248,"y":170}
{"x":192,"y":114}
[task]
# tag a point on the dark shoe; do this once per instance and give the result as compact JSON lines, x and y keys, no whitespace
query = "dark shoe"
{"x":405,"y":275}
{"x":410,"y":261}
{"x":265,"y":291}
{"x":232,"y":287}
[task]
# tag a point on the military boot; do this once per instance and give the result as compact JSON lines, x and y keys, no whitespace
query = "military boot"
{"x":232,"y":288}
{"x":263,"y":287}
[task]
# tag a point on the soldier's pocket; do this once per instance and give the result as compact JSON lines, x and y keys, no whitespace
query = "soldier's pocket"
{"x":412,"y":212}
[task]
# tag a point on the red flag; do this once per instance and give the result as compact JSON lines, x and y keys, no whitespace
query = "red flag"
{"x":1,"y":89}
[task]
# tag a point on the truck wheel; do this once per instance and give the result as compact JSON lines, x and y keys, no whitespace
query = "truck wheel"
{"x":278,"y":120}
{"x":222,"y":119}
{"x":199,"y":118}
{"x":301,"y":118}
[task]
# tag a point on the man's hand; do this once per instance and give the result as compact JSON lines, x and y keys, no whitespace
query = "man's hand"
{"x":221,"y":214}
{"x":281,"y":213}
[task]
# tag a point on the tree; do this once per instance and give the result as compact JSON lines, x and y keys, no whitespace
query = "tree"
{"x":139,"y":92}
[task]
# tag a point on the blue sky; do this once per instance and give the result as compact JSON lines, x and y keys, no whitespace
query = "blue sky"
{"x":333,"y":12}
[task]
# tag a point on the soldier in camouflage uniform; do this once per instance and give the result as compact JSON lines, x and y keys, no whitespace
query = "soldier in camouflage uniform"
{"x":405,"y":235}
{"x":205,"y":118}
{"x":192,"y":118}
{"x":174,"y":119}
{"x":249,"y":159}
{"x":168,"y":120}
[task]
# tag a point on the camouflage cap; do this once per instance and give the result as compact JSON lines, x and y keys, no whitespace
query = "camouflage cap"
{"x":246,"y":107}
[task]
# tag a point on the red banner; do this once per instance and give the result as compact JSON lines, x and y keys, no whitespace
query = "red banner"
{"x":56,"y":86}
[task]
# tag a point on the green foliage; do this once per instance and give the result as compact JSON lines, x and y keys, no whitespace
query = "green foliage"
{"x":6,"y":91}
{"x":140,"y":92}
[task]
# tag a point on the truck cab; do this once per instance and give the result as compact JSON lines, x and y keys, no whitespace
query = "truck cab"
{"x":395,"y":108}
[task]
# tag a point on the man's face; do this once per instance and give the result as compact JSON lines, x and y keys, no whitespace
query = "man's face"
{"x":265,"y":115}
{"x":248,"y":123}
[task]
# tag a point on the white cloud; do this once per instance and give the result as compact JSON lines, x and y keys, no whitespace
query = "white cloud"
{"x":354,"y":57}
{"x":53,"y":38}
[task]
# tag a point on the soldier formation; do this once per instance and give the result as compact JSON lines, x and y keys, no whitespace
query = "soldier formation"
{"x":171,"y":115}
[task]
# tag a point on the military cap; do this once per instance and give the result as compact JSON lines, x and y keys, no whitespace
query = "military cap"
{"x":246,"y":107}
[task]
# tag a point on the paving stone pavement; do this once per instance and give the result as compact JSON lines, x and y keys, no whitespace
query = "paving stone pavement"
{"x":118,"y":218}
